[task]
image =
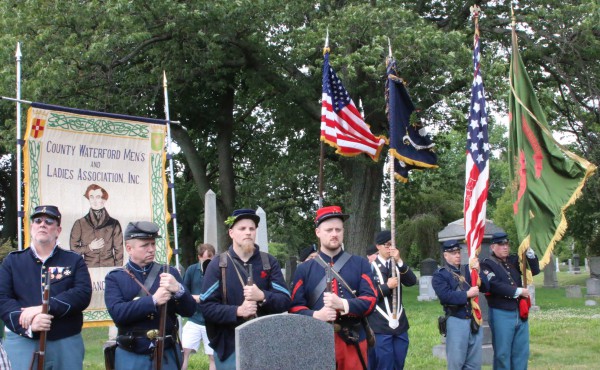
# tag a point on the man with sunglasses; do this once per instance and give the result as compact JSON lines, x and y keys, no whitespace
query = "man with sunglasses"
{"x":23,"y":276}
{"x":510,"y":329}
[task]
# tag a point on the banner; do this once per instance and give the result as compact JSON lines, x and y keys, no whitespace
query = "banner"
{"x":545,"y":177}
{"x":102,"y":171}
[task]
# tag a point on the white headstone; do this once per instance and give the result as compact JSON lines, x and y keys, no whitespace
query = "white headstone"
{"x":261,"y":233}
{"x":210,"y":219}
{"x":557,"y":265}
{"x":570,"y":266}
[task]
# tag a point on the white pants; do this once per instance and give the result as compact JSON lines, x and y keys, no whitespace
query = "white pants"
{"x":192,"y":335}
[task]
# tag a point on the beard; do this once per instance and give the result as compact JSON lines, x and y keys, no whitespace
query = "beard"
{"x":247,"y":246}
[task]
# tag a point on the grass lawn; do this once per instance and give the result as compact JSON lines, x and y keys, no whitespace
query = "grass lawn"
{"x":564,"y":332}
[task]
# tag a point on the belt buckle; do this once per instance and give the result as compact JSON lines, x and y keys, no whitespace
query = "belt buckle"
{"x":152,"y":334}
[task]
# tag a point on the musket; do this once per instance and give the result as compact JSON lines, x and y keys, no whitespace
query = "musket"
{"x":159,"y":350}
{"x":250,"y":279}
{"x":40,"y":354}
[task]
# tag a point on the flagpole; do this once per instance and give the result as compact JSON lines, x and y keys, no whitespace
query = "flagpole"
{"x":171,"y":172}
{"x":322,"y":147}
{"x":20,"y":143}
{"x":393,"y":217}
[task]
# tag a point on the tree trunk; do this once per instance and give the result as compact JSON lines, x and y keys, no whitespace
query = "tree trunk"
{"x":364,"y":203}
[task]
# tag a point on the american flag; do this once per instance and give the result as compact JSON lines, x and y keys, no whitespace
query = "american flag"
{"x":477,"y":169}
{"x":342,"y":125}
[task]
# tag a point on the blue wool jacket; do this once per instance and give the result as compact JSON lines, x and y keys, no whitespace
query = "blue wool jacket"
{"x":452,"y":292}
{"x":192,"y":280}
{"x":21,"y":285}
{"x":221,"y":318}
{"x":356,"y":272}
{"x":132,"y":314}
{"x":504,"y":277}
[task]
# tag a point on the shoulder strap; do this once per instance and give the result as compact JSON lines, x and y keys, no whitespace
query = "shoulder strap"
{"x":264,"y":256}
{"x":337,"y":266}
{"x":148,"y":282}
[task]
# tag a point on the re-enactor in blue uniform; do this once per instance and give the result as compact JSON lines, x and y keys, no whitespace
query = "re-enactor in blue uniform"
{"x":267,"y":295}
{"x":453,"y":286}
{"x":135,"y":303}
{"x":341,"y":305}
{"x":22,"y":281}
{"x":510,"y":332}
{"x":391,"y":345}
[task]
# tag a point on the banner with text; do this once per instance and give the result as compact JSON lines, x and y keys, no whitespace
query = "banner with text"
{"x":102,"y":171}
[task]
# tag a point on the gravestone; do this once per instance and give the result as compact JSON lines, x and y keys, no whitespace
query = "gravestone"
{"x":210,"y":220}
{"x":592,"y":287}
{"x":573,"y":291}
{"x":594,"y":265}
{"x":570,"y":266}
{"x":261,"y":232}
{"x":550,"y":279}
{"x":285,"y":341}
{"x":427,"y":268}
{"x":576,"y":269}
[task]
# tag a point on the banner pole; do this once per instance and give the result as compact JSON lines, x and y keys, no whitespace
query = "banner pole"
{"x":392,"y":173}
{"x":171,"y":172}
{"x":20,"y":213}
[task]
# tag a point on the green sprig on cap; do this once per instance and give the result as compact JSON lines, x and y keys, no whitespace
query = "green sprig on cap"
{"x":230,"y":220}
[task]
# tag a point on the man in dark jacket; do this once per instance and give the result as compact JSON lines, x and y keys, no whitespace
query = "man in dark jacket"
{"x":352,"y":296}
{"x":510,"y":327}
{"x":254,"y":286}
{"x":23,"y":276}
{"x":391,"y":344}
{"x":134,"y":295}
{"x":453,"y":286}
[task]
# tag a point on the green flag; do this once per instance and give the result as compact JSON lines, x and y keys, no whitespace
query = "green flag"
{"x":546,"y":178}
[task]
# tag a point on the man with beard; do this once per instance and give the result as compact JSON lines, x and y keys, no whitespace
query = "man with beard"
{"x":242,"y":283}
{"x":510,"y":328}
{"x":391,"y":344}
{"x":134,"y":295}
{"x":97,"y":236}
{"x":352,"y":295}
{"x":23,"y":276}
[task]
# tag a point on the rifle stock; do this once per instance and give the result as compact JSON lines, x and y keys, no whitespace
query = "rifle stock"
{"x":40,"y":354}
{"x":162,"y":328}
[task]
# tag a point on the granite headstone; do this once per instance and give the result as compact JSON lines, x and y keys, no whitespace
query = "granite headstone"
{"x":284,"y":341}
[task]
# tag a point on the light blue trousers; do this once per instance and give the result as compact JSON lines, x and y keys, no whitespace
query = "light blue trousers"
{"x":61,"y":354}
{"x":463,"y":348}
{"x":125,"y":360}
{"x":510,"y":338}
{"x":228,"y":364}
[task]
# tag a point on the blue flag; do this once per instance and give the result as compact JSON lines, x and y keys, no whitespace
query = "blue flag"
{"x":410,"y":144}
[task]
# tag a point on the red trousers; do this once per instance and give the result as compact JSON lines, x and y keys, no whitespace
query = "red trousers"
{"x":346,"y":355}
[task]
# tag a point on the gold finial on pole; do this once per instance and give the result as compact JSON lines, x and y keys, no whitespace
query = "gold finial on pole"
{"x":326,"y":47}
{"x":475,"y":10}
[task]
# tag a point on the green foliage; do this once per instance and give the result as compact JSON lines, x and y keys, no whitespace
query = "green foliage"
{"x":244,"y":80}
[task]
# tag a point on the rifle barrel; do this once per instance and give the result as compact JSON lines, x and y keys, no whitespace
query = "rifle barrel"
{"x":40,"y":354}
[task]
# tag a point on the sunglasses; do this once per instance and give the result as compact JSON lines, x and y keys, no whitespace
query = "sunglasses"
{"x":47,"y":221}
